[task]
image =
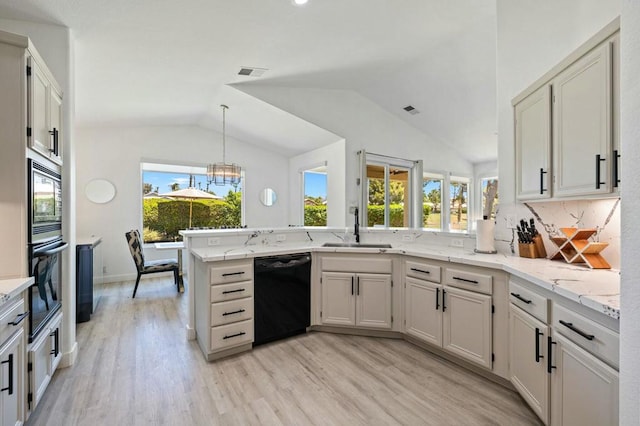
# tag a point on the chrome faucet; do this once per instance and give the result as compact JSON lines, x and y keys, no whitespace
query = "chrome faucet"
{"x":356,"y":227}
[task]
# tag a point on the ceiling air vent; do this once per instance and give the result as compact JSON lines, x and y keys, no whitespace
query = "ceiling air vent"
{"x":411,"y":110}
{"x":253,"y":72}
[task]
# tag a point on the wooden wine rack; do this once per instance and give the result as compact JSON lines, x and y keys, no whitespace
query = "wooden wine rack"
{"x":576,"y":247}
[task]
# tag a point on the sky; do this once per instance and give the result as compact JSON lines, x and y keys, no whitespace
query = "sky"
{"x":315,"y":185}
{"x":163,"y":181}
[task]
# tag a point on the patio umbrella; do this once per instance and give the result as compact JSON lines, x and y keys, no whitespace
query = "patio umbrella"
{"x":191,"y":194}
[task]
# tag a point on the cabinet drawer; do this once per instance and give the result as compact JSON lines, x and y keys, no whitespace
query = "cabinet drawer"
{"x":11,"y":312}
{"x":529,"y":301}
{"x":423,"y":271}
{"x":357,"y":264}
{"x":469,"y":280}
{"x":220,"y":293}
{"x":231,"y":311}
{"x":231,"y":272}
{"x":588,"y":334}
{"x":227,"y":336}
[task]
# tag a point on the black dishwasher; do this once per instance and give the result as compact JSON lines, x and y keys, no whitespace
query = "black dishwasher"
{"x":282,"y":296}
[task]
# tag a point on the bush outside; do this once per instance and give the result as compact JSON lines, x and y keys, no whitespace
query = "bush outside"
{"x":317,"y":215}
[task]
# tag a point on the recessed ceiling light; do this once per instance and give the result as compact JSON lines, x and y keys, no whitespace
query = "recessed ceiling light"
{"x":299,"y":2}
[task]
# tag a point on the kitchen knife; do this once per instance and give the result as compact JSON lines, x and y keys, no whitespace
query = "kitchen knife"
{"x":532,"y":225}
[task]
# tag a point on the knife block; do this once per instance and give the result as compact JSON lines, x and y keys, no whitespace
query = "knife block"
{"x":534,"y":250}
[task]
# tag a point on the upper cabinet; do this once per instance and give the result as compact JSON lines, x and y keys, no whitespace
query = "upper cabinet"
{"x":566,"y":125}
{"x":44,"y":111}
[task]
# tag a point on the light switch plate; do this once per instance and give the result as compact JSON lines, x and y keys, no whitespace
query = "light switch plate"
{"x":457,"y":242}
{"x":281,"y":237}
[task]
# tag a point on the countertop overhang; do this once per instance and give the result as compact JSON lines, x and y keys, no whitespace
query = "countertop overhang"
{"x":11,"y":287}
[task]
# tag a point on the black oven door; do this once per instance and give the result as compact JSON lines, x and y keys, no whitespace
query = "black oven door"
{"x":45,"y":203}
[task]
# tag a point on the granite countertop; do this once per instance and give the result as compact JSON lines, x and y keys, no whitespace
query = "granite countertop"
{"x":597,"y":289}
{"x":12,"y":287}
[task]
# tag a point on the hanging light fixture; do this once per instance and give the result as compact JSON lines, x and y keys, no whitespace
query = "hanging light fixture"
{"x":224,"y":173}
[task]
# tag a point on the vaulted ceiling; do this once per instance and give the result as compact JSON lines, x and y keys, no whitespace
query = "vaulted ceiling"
{"x":167,"y":62}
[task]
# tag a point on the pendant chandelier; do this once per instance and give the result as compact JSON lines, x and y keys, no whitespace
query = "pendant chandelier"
{"x":224,"y":173}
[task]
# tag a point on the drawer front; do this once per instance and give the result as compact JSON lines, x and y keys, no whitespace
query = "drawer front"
{"x":230,"y":335}
{"x":11,"y":312}
{"x":231,"y":272}
{"x":370,"y":265}
{"x":231,"y":311}
{"x":593,"y":337}
{"x":423,"y":271}
{"x":529,"y":301}
{"x":223,"y":292}
{"x":469,"y":280}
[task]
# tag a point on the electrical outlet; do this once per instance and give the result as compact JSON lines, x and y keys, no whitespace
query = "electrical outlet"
{"x":407,"y":237}
{"x":213,"y":241}
{"x":281,"y":237}
{"x":511,"y":221}
{"x":457,"y":242}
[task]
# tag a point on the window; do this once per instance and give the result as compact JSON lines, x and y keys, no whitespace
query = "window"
{"x":459,"y":202}
{"x":207,"y":205}
{"x":489,"y":188}
{"x":432,"y":185}
{"x":314,"y":182}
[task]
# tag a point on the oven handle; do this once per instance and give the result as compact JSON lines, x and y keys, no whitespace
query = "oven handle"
{"x":49,"y":252}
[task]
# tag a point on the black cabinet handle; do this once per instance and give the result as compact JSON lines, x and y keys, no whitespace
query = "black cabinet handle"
{"x":437,"y":298}
{"x":538,"y":334}
{"x":598,"y":161}
{"x":550,"y":344}
{"x":571,"y":327}
{"x":542,"y":188}
{"x":444,"y":306}
{"x":54,"y":133}
{"x":56,"y":342}
{"x":420,"y":270}
{"x":239,"y":311}
{"x":358,"y":286}
{"x":232,"y":273}
{"x":465,"y":280}
{"x":616,"y":159}
{"x":19,"y":318}
{"x":352,"y":278}
{"x":517,"y":296}
{"x":234,"y":335}
{"x":233,"y":291}
{"x":10,"y":387}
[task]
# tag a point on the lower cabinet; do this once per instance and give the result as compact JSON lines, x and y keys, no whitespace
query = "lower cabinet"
{"x":361,"y":300}
{"x":12,"y":389}
{"x":44,"y":357}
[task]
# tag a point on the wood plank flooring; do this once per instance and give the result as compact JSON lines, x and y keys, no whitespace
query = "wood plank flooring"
{"x":135,"y":367}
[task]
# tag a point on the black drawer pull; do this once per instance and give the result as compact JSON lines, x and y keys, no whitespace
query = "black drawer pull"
{"x":56,"y":342}
{"x":444,"y":306}
{"x":10,"y":387}
{"x":542,"y":188}
{"x":19,"y":318}
{"x":239,"y":311}
{"x":228,"y":274}
{"x":233,"y":291}
{"x":234,"y":335}
{"x":465,"y":280}
{"x":598,"y":178}
{"x":616,"y":160}
{"x":571,"y":327}
{"x":538,"y":334}
{"x":550,"y":344}
{"x":420,"y":270}
{"x":517,"y":296}
{"x":438,"y":298}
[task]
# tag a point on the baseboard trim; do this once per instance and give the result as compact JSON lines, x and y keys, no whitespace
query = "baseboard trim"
{"x":357,"y":331}
{"x":191,"y":332}
{"x":69,"y":358}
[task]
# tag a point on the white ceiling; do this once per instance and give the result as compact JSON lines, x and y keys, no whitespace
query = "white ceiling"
{"x":167,"y":62}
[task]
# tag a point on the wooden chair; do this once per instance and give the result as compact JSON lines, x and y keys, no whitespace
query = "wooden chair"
{"x":151,"y":266}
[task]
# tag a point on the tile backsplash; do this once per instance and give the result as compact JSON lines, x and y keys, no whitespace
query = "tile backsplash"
{"x":604,"y":215}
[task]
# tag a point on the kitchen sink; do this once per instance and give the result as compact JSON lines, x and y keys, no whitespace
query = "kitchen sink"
{"x":357,"y":245}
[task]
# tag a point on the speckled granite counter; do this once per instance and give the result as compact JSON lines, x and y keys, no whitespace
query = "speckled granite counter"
{"x":12,"y":287}
{"x":596,"y":289}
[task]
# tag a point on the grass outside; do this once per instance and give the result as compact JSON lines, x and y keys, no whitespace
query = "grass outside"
{"x":433,"y":222}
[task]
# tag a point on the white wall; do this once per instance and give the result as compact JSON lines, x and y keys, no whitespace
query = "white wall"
{"x":334,"y":157}
{"x":115,"y":154}
{"x":364,"y":125}
{"x":630,"y":277}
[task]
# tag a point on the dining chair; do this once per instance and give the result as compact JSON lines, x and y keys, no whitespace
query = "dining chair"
{"x":149,"y":266}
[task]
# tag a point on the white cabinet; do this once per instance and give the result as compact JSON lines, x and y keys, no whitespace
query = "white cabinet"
{"x":584,"y":389}
{"x":44,"y":357}
{"x":356,"y":299}
{"x":423,"y":317}
{"x":12,"y":368}
{"x":44,"y":111}
{"x":582,"y":126}
{"x":533,"y":145}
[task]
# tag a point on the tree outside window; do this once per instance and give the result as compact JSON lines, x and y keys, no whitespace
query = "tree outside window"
{"x":432,"y":201}
{"x":489,"y":188}
{"x":459,"y":196}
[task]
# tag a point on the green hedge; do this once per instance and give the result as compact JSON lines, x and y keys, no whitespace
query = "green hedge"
{"x":315,"y":215}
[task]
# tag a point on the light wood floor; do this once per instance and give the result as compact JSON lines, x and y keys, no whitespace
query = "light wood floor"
{"x":135,"y":367}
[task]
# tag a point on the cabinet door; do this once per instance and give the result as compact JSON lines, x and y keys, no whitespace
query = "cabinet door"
{"x":584,"y":390}
{"x":467,"y":325}
{"x":615,"y":110}
{"x":41,"y":371}
{"x":55,"y":125}
{"x":533,"y":145}
{"x":582,"y":126}
{"x":38,"y":110}
{"x":12,"y":370}
{"x":527,"y":360}
{"x":423,"y":312}
{"x":373,"y":301}
{"x":338,"y":298}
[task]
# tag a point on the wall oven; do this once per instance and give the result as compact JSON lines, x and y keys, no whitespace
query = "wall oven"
{"x":44,"y":203}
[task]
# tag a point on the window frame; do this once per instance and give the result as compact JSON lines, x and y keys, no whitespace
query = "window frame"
{"x":441,"y":176}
